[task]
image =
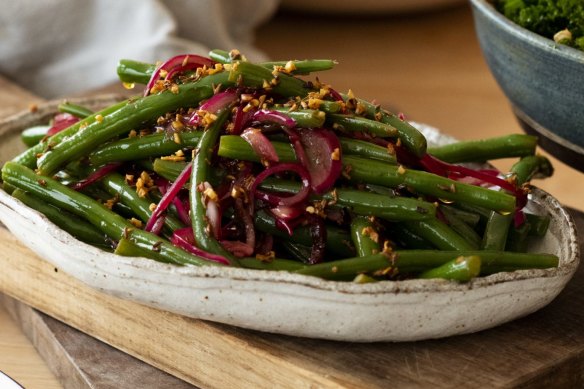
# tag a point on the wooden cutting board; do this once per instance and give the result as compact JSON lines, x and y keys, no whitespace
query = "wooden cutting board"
{"x":82,"y":362}
{"x":541,"y":350}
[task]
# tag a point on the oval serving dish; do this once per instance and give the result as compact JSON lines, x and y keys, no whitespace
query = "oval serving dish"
{"x":294,"y":304}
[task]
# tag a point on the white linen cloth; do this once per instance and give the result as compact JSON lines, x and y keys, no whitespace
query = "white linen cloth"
{"x":61,"y":47}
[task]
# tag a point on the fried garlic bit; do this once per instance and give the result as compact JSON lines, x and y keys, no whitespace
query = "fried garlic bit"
{"x":136,"y":223}
{"x":109,"y":203}
{"x":336,"y":154}
{"x":144,"y":184}
{"x":288,"y":68}
{"x":371,"y":233}
{"x":267,"y":258}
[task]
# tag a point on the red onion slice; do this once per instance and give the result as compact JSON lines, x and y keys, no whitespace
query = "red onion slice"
{"x":214,"y":104}
{"x":96,"y":175}
{"x":260,"y":144}
{"x":177,"y":64}
{"x":182,"y":210}
{"x":60,"y":122}
{"x":240,"y":120}
{"x":158,"y":225}
{"x":237,"y":248}
{"x":335,"y":95}
{"x":275,"y":199}
{"x":519,"y":218}
{"x":288,"y":225}
{"x":323,"y":152}
{"x":184,"y":239}
{"x":212,"y":210}
{"x":297,"y":145}
{"x":457,"y":172}
{"x":263,"y":116}
{"x":170,"y":194}
{"x":287,"y":213}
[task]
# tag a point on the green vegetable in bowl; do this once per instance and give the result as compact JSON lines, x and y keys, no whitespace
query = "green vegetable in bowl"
{"x":560,"y":20}
{"x":224,"y":162}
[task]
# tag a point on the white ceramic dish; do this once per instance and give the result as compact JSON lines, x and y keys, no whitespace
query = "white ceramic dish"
{"x":293,"y":304}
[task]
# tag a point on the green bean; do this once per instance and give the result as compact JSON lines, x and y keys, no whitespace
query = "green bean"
{"x":406,"y":238}
{"x":366,"y":149}
{"x":533,"y":166}
{"x":221,"y":56}
{"x":130,"y":71}
{"x":517,"y":238}
{"x":362,"y":170}
{"x":235,"y":147}
{"x":116,"y":184}
{"x":253,"y":75}
{"x":200,"y":174}
{"x":147,"y":108}
{"x":330,"y":106}
{"x":413,"y":261}
{"x":168,"y":169}
{"x":301,"y":67}
{"x":74,"y":225}
{"x":508,"y":146}
{"x":496,"y":230}
{"x":274,"y":264}
{"x":75,"y":110}
{"x":305,"y":118}
{"x":538,"y":224}
{"x":171,"y":170}
{"x":108,"y":222}
{"x":338,"y":240}
{"x":33,"y":135}
{"x":365,"y":237}
{"x":124,"y":119}
{"x":153,"y":145}
{"x":127,"y":248}
{"x":411,"y":137}
{"x":461,"y":228}
{"x":439,"y":234}
{"x":470,"y":218}
{"x":379,"y":189}
{"x":461,"y":269}
{"x":29,"y":157}
{"x":133,"y":71}
{"x":483,"y":213}
{"x":359,"y":124}
{"x":305,"y":66}
{"x":297,"y":251}
{"x":363,"y":203}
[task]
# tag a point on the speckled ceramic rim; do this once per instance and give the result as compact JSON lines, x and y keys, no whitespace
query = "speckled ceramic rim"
{"x":567,"y":266}
{"x":487,"y":9}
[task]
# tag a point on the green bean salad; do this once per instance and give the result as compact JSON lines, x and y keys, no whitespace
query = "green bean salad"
{"x":224,"y":162}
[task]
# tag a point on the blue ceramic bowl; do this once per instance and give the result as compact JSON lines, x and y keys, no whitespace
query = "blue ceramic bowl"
{"x":543,"y":80}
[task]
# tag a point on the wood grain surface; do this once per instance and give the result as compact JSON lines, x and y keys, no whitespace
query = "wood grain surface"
{"x":82,"y":362}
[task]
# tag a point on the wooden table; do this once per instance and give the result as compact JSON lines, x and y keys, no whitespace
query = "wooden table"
{"x":430,"y":67}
